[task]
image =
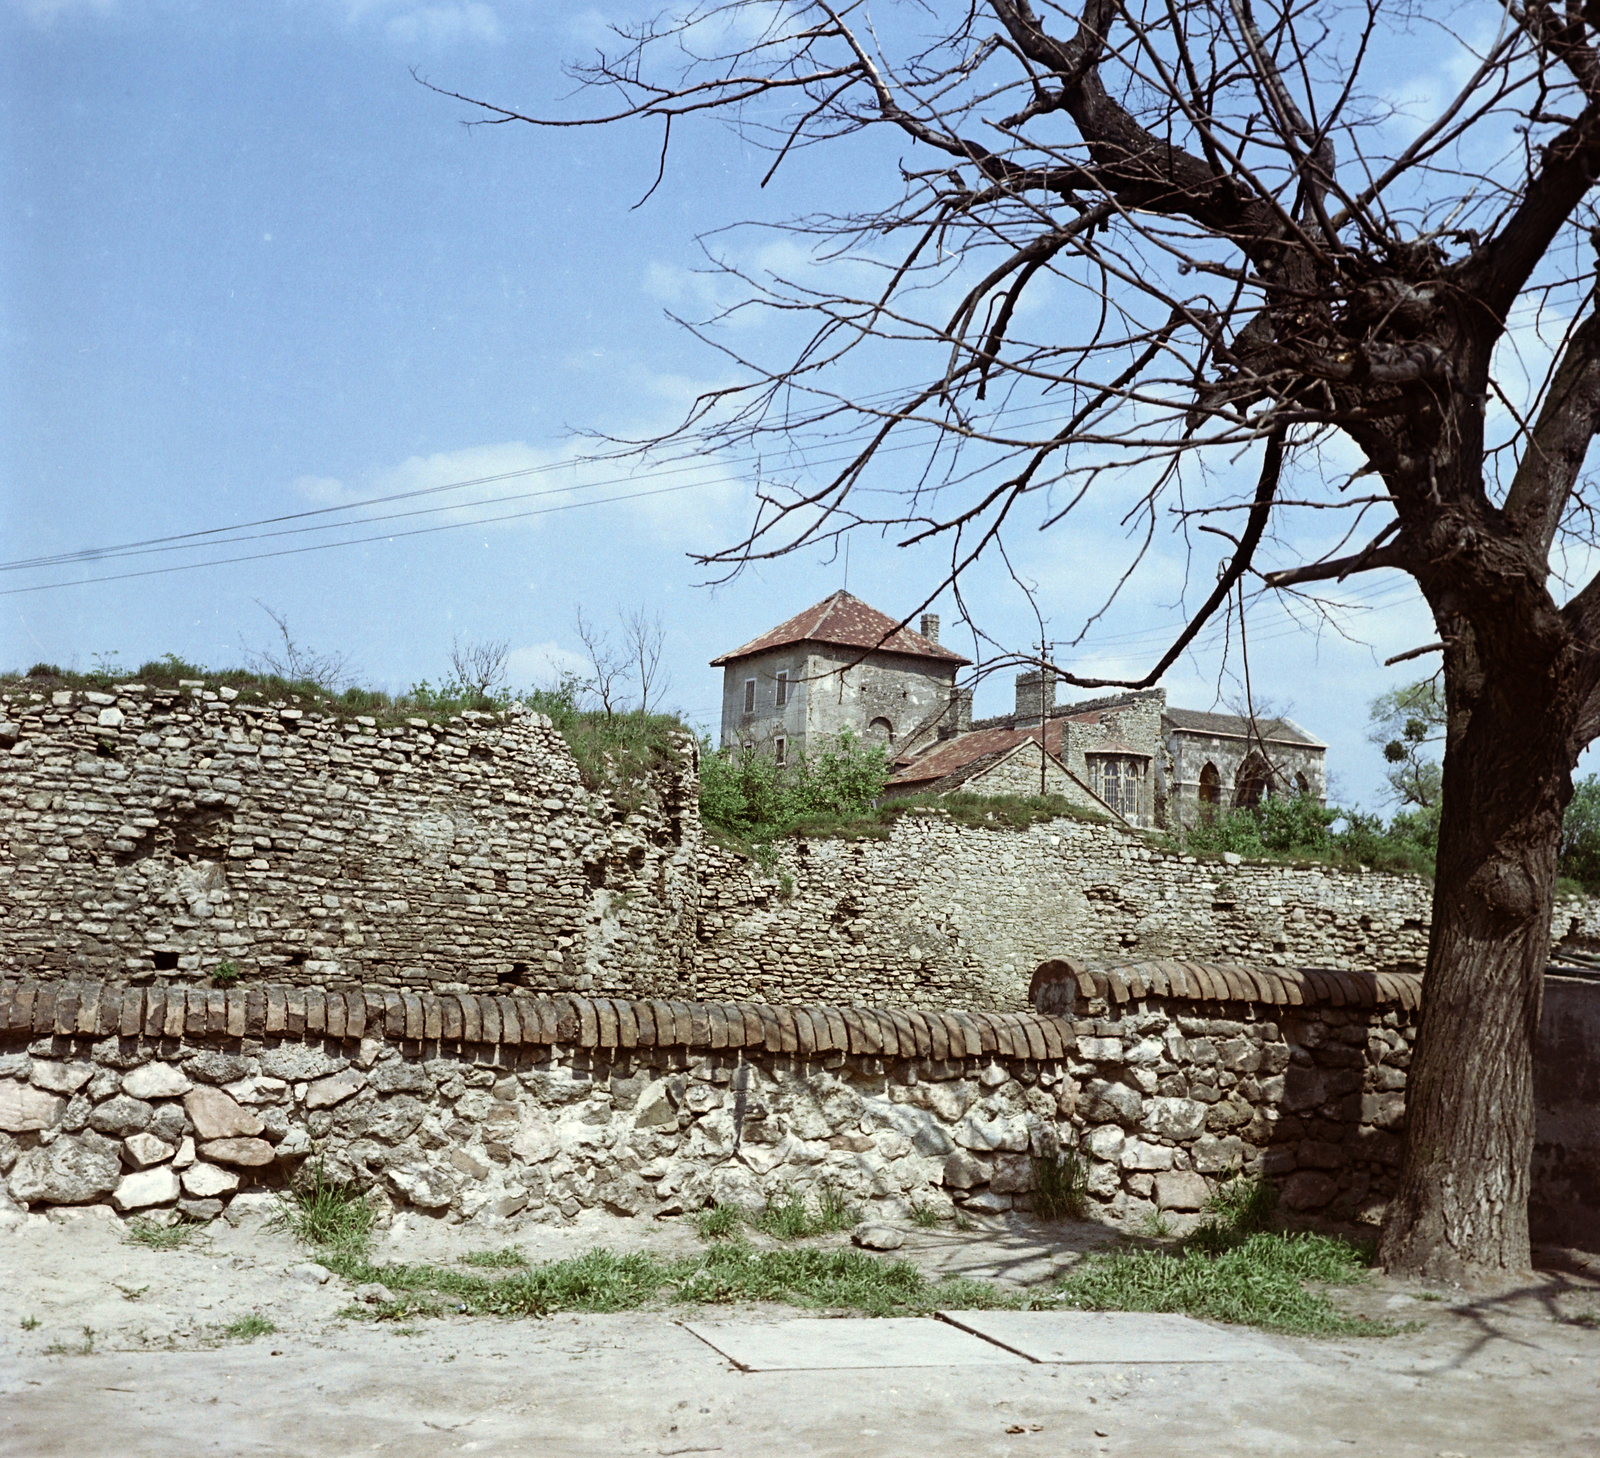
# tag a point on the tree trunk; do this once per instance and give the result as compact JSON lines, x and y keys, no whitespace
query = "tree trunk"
{"x":1461,"y":1212}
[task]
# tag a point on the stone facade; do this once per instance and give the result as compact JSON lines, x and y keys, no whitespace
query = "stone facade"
{"x":1150,"y":765}
{"x":1220,"y":761}
{"x":1166,"y":1078}
{"x":840,"y":665}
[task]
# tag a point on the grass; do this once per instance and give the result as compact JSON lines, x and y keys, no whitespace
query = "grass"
{"x":506,"y":1258}
{"x":328,"y":1215}
{"x":601,"y":1280}
{"x":786,"y":1216}
{"x":160,"y":1237}
{"x":85,"y":1348}
{"x":718,"y":1222}
{"x":30,"y":1323}
{"x":1060,"y":1185}
{"x":1260,"y":1282}
{"x":1232,"y":1268}
{"x":246,"y":1328}
{"x":924,"y":1217}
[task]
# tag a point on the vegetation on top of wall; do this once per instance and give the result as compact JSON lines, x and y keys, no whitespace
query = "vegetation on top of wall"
{"x":614,"y":751}
{"x":1298,"y":829}
{"x":748,"y":802}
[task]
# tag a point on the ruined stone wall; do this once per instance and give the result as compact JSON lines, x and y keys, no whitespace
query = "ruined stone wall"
{"x":941,"y":915}
{"x":156,"y":835}
{"x":1564,"y":1208}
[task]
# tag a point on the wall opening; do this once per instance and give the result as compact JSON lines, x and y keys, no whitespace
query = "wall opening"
{"x":880,"y":731}
{"x":165,"y":961}
{"x":1253,"y":781}
{"x":1210,"y":792}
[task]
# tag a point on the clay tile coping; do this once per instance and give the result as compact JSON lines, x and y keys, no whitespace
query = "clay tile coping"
{"x":1123,"y":982}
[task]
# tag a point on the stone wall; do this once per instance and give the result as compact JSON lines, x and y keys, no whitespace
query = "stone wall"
{"x":150,"y":837}
{"x":941,"y":915}
{"x":1167,"y":1078}
{"x":154,"y":834}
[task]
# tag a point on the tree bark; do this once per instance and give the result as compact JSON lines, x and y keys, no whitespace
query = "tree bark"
{"x":1461,"y":1212}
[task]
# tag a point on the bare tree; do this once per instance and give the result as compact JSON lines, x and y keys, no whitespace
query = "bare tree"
{"x":479,"y":667}
{"x":608,"y":663}
{"x":645,"y":639}
{"x":298,"y":662}
{"x":1151,"y":242}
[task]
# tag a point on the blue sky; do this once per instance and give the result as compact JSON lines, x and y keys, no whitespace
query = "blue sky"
{"x":251,"y":268}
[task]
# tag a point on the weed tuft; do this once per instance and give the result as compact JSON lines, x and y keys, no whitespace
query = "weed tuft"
{"x":923,"y":1216}
{"x":502,"y":1259}
{"x":30,"y":1323}
{"x":1060,"y":1185}
{"x":786,"y":1216}
{"x":246,"y":1328}
{"x":718,"y":1222}
{"x":329,"y":1215}
{"x":159,"y":1237}
{"x":1240,"y":1209}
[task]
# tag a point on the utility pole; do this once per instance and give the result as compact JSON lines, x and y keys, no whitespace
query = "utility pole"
{"x":1043,"y":648}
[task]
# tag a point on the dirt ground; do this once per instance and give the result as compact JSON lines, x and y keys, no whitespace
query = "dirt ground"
{"x":109,"y":1348}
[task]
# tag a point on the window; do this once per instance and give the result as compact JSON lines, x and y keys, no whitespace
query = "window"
{"x":749,"y":696}
{"x":783,"y":688}
{"x":1210,"y":792}
{"x":1302,"y":784}
{"x":780,"y":750}
{"x":1116,"y":780}
{"x":880,"y":732}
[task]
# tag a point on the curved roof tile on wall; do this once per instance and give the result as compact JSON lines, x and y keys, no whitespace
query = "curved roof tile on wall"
{"x":1223,"y":982}
{"x":847,"y":622}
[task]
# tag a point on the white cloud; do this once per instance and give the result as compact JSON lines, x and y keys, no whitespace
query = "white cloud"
{"x":441,"y":25}
{"x":543,"y":664}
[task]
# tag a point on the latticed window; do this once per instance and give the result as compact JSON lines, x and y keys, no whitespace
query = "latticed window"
{"x":1116,"y":780}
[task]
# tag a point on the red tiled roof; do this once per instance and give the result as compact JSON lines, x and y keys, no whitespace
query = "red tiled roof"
{"x":848,"y":622}
{"x":951,"y":755}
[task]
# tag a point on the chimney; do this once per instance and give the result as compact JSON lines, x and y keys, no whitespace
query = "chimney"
{"x":1031,"y":689}
{"x":930,"y":627}
{"x":957,"y":716}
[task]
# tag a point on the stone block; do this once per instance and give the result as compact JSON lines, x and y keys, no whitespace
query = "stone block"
{"x":148,"y":1187}
{"x":398,"y":1075}
{"x":877,"y":1237}
{"x":988,"y":1203}
{"x":24,"y":1110}
{"x":61,"y":1078}
{"x":1174,"y":1118}
{"x":143,"y":1150}
{"x":251,"y":1153}
{"x":1139,"y":1155}
{"x":984,"y":1135}
{"x":207,"y":1181}
{"x":156,"y":1081}
{"x":325,"y":1093}
{"x":425,"y":1187}
{"x":1309,"y":1189}
{"x":1104,"y":1102}
{"x":1384,"y":1110}
{"x":299,"y":1062}
{"x":121,"y":1116}
{"x":1106,"y":1142}
{"x":963,"y":1172}
{"x":201,"y":1210}
{"x":74,"y":1170}
{"x":654,"y":1109}
{"x":1013,"y":1174}
{"x":1181,"y":1190}
{"x":1212,"y":1155}
{"x":218,"y":1116}
{"x":1316,"y":1154}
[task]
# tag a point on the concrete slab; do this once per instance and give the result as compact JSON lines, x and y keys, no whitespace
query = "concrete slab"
{"x":1131,"y":1337}
{"x":809,"y":1345}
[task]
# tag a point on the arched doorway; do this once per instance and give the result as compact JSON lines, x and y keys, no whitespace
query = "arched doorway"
{"x":880,"y":731}
{"x":1210,"y":792}
{"x":1301,"y":783}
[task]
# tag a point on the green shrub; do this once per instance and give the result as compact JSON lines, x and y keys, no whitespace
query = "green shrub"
{"x":752,"y":796}
{"x":329,"y":1215}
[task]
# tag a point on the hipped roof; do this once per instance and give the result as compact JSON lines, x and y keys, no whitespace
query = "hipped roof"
{"x":846,"y":622}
